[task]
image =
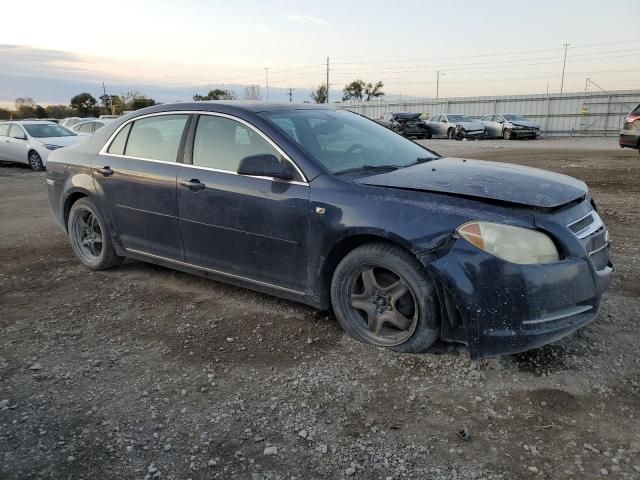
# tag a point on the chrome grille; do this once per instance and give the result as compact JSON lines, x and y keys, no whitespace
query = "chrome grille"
{"x":600,"y":258}
{"x":585,"y":226}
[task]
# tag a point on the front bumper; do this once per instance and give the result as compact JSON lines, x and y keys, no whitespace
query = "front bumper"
{"x":508,"y":308}
{"x":474,"y":133}
{"x":525,"y":132}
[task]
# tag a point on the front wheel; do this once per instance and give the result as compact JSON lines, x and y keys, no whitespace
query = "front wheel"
{"x":35,"y":162}
{"x":89,"y":236}
{"x":382,"y":295}
{"x":451,"y":133}
{"x":507,"y":134}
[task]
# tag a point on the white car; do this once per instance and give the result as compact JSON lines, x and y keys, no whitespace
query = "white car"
{"x":87,"y":128}
{"x":445,"y":126}
{"x":31,"y":142}
{"x":71,"y":121}
{"x":510,"y":126}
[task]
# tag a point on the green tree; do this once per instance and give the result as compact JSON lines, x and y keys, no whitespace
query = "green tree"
{"x":40,"y":112}
{"x":84,"y":104}
{"x":141,"y":101}
{"x":361,"y":91}
{"x":5,"y":114}
{"x":215,"y":94}
{"x":319,"y":94}
{"x":374,"y":91}
{"x":59,"y":111}
{"x":353,"y":91}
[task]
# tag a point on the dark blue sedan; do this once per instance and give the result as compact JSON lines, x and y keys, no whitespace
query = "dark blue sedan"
{"x":328,"y":208}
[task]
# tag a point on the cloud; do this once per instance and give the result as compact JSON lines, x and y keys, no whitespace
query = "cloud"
{"x":307,"y":19}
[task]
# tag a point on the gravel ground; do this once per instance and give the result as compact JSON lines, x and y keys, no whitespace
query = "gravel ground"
{"x":141,"y":372}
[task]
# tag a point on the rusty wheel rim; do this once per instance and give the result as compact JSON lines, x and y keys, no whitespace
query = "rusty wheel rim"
{"x":384,"y":306}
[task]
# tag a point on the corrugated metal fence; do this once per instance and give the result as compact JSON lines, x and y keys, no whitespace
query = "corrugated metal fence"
{"x":576,"y":114}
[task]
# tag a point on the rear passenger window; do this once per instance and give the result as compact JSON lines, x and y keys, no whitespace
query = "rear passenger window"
{"x":156,"y":138}
{"x":221,"y":143}
{"x":118,"y":144}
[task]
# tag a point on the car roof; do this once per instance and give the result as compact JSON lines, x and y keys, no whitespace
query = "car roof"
{"x":30,"y":122}
{"x":228,"y":106}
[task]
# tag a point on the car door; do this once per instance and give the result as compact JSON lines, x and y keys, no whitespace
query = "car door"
{"x":135,"y":174}
{"x":251,"y":227}
{"x":4,"y":141}
{"x":16,"y":144}
{"x":433,"y":125}
{"x":496,"y":126}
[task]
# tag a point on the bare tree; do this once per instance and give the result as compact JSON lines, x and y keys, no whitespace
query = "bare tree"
{"x":252,"y":92}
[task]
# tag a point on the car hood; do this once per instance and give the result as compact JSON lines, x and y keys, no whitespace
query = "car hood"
{"x":485,"y":180}
{"x":524,"y":123}
{"x":60,"y":141}
{"x":471,"y":125}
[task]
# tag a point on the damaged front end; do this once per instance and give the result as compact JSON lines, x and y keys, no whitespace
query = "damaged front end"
{"x":499,"y":307}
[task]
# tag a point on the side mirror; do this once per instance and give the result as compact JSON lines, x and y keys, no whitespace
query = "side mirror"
{"x":266,"y":165}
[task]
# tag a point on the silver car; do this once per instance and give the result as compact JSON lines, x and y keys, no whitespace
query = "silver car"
{"x":31,"y":142}
{"x":444,"y":125}
{"x":85,"y":129}
{"x":510,"y":126}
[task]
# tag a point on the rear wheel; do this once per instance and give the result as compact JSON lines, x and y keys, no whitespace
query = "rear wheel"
{"x":35,"y":162}
{"x":89,"y":236}
{"x":382,"y":295}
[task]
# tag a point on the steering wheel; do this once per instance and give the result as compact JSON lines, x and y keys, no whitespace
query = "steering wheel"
{"x":356,"y":146}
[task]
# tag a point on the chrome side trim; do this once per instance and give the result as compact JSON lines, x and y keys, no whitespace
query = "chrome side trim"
{"x":589,"y":229}
{"x":217,"y":272}
{"x":105,"y":147}
{"x":567,"y":312}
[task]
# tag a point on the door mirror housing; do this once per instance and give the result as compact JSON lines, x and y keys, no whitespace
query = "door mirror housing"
{"x":266,"y":165}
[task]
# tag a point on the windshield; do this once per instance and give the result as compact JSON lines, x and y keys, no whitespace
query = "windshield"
{"x":459,"y":118}
{"x":343,"y":141}
{"x":46,"y":131}
{"x":511,"y":118}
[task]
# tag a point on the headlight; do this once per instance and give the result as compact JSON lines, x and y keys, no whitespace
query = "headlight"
{"x":514,"y":244}
{"x":52,"y":147}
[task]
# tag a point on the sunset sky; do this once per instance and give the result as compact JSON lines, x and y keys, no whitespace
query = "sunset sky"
{"x":171,"y":50}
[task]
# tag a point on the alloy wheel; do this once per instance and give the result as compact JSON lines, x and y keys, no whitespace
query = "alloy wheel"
{"x":87,"y":235}
{"x":385,"y":305}
{"x":35,"y":162}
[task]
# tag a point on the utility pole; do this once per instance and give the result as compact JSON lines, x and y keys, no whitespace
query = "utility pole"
{"x":290,"y":95}
{"x":110,"y":100}
{"x":266,"y":71}
{"x":327,"y":79}
{"x":564,"y":63}
{"x":438,"y":84}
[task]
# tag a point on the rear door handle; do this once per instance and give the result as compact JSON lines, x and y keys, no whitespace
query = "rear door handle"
{"x":194,"y":184}
{"x":105,"y":171}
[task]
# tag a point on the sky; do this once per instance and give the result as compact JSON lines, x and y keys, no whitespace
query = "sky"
{"x":170,"y":50}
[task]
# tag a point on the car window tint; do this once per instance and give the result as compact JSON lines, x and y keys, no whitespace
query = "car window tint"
{"x":221,"y":143}
{"x":4,"y":130}
{"x":86,"y":128}
{"x":16,"y":131}
{"x":288,"y":127}
{"x":156,"y":138}
{"x":118,"y":144}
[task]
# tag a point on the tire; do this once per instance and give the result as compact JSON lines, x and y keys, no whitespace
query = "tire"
{"x":35,"y":161}
{"x":395,"y":298}
{"x":428,"y":136}
{"x":90,"y":237}
{"x":451,"y":133}
{"x":507,"y":134}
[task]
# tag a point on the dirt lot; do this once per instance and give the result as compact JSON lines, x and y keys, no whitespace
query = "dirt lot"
{"x":142,"y":372}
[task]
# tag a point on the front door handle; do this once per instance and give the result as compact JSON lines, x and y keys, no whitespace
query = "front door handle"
{"x":194,"y":184}
{"x":105,"y":171}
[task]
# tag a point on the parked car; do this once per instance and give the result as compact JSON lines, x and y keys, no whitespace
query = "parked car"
{"x":87,"y":128}
{"x":31,"y":142}
{"x":407,"y":124}
{"x":510,"y":126}
{"x":331,"y":209}
{"x":630,"y":133}
{"x":445,"y":126}
{"x":71,"y":121}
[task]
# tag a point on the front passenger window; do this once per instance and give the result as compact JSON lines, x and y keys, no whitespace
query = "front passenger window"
{"x":221,"y":143}
{"x":156,"y":138}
